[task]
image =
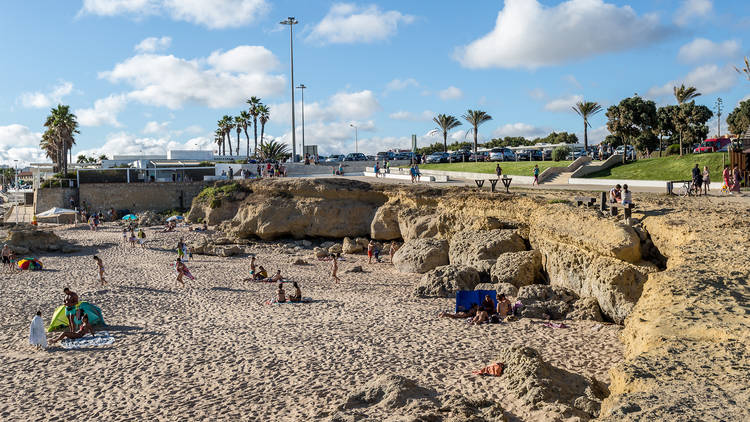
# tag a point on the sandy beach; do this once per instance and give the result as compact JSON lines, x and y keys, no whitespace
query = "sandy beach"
{"x":214,"y":350}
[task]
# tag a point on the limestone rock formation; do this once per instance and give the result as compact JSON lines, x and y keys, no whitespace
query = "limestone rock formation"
{"x":446,"y":280}
{"x":544,"y":386}
{"x":23,"y":240}
{"x":586,"y":309}
{"x":149,"y":218}
{"x":542,"y":301}
{"x":482,"y":249}
{"x":506,"y":289}
{"x":334,"y":249}
{"x":421,"y":255}
{"x":388,"y":391}
{"x":518,"y":268}
{"x":385,"y":224}
{"x":219,"y":246}
{"x":350,"y":246}
{"x":320,"y":252}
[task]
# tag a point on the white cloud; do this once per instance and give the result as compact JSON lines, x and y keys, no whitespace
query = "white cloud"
{"x":450,"y":93}
{"x":222,"y":80}
{"x":408,"y":115}
{"x":214,"y":14}
{"x":708,"y":79}
{"x":153,"y":44}
{"x":44,"y":100}
{"x":333,"y":137}
{"x":520,"y":129}
{"x":530,"y":35}
{"x":347,"y":23}
{"x":124,"y":143}
{"x":104,"y":112}
{"x":703,"y":50}
{"x":401,"y":84}
{"x":573,"y":81}
{"x":153,"y":127}
{"x":342,"y":106}
{"x":690,"y":9}
{"x":18,"y":142}
{"x":563,"y":104}
{"x":596,"y":135}
{"x":537,"y":93}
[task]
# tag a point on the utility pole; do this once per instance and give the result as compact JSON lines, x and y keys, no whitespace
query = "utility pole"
{"x":356,"y":137}
{"x":291,"y":21}
{"x":302,"y":87}
{"x":719,"y":103}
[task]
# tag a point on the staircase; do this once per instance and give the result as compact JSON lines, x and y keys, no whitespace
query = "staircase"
{"x":559,"y":178}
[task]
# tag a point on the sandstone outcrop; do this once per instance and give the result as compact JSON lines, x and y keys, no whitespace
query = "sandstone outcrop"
{"x":350,"y":246}
{"x":217,"y":247}
{"x":518,"y":268}
{"x":385,"y":224}
{"x":446,"y":280}
{"x":542,"y":301}
{"x":506,"y":289}
{"x":23,"y":240}
{"x":421,"y":255}
{"x":481,"y":249}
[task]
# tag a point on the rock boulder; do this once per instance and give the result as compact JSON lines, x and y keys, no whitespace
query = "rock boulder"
{"x":446,"y":280}
{"x":518,"y":268}
{"x":481,"y":249}
{"x":506,"y":289}
{"x":384,"y":224}
{"x":350,"y":246}
{"x":421,"y":255}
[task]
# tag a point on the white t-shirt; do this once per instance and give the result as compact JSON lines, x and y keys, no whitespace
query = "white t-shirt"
{"x":627,"y":197}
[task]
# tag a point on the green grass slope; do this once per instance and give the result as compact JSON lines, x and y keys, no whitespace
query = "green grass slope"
{"x":665,"y":168}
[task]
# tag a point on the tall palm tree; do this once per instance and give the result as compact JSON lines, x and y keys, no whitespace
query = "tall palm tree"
{"x":227,"y":124}
{"x":476,"y":118}
{"x":586,"y":109}
{"x":50,"y":146}
{"x":264,"y":113}
{"x":685,"y":93}
{"x":219,"y":139}
{"x":254,"y":103}
{"x":246,"y":121}
{"x":445,"y":123}
{"x":238,"y":128}
{"x":62,"y":127}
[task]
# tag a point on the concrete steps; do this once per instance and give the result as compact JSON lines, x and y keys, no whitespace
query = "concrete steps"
{"x":558,"y":179}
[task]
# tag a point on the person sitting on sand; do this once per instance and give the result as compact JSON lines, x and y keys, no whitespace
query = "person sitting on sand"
{"x":297,"y":296}
{"x":504,"y":307}
{"x":86,"y":328}
{"x":472,"y":312}
{"x":485,"y":312}
{"x":281,"y":295}
{"x":615,"y":195}
{"x":262,"y":274}
{"x":100,"y":264}
{"x":71,"y":300}
{"x":277,"y":277}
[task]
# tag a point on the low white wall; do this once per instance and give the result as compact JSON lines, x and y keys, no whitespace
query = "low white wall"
{"x":423,"y":179}
{"x":639,"y":183}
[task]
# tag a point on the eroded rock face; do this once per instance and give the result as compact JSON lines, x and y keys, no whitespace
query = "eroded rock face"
{"x":23,"y":240}
{"x":506,"y":289}
{"x":446,"y":280}
{"x":481,"y":249}
{"x":385,"y":224}
{"x":518,"y":268}
{"x":350,"y":247}
{"x":421,"y":255}
{"x":586,"y":309}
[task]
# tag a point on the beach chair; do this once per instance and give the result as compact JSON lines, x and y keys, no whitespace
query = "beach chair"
{"x":466,"y":298}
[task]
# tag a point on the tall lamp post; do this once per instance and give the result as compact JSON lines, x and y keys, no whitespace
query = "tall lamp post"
{"x":16,"y":161}
{"x":302,"y":87}
{"x":356,"y":137}
{"x":291,"y":21}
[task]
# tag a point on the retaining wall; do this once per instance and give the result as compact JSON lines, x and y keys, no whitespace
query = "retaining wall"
{"x":591,"y":168}
{"x":47,"y":198}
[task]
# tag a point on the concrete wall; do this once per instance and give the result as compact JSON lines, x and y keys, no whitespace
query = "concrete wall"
{"x":591,"y":168}
{"x":549,"y":172}
{"x":47,"y":198}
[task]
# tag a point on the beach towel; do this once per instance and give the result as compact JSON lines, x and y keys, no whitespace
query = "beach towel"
{"x":496,"y":369}
{"x":275,"y":301}
{"x":102,"y":338}
{"x":37,"y":336}
{"x":466,"y":298}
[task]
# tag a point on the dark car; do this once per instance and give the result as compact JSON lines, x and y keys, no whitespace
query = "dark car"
{"x":438,"y":157}
{"x":536,"y":155}
{"x":355,"y":156}
{"x":523,"y":155}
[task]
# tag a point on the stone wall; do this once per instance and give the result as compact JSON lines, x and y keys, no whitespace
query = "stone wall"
{"x":47,"y":198}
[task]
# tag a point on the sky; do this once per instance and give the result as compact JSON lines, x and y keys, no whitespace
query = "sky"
{"x":144,"y":76}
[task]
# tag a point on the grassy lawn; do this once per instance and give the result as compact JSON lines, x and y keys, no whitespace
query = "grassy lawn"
{"x":520,"y":168}
{"x":666,"y":168}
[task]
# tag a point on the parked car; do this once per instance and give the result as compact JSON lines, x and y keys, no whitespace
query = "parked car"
{"x":385,"y":156}
{"x":334,"y":158}
{"x":536,"y":155}
{"x":438,"y":157}
{"x":523,"y":155}
{"x":459,"y":156}
{"x":355,"y":156}
{"x":712,"y":145}
{"x":547,"y":154}
{"x":502,"y":154}
{"x":480,"y":156}
{"x":403,"y":156}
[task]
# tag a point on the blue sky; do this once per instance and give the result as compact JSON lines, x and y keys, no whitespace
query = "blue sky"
{"x":147,"y":75}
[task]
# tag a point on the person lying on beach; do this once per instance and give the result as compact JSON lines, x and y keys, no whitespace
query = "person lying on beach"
{"x":504,"y":307}
{"x":281,"y":295}
{"x":471,"y":313}
{"x":276,"y":277}
{"x":86,"y":328}
{"x":100,"y":264}
{"x":297,"y":296}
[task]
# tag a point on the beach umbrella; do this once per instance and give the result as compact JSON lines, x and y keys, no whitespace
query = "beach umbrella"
{"x":175,"y":217}
{"x":31,"y":264}
{"x":130,"y":217}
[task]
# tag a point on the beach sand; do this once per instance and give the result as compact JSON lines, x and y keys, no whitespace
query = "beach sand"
{"x":214,"y":350}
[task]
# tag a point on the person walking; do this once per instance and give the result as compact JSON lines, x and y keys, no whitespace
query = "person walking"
{"x":100,"y":265}
{"x":536,"y":175}
{"x":736,"y":179}
{"x":498,"y":171}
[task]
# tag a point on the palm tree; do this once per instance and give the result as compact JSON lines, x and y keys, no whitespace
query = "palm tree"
{"x":255,"y":103}
{"x":586,"y":109}
{"x":50,"y":146}
{"x":62,"y":127}
{"x":273,"y":150}
{"x":264,"y":113}
{"x":226,"y":125}
{"x":746,"y":69}
{"x":685,"y":93}
{"x":238,"y":127}
{"x":245,"y":116}
{"x":219,"y":139}
{"x":445,"y":123}
{"x":476,"y":118}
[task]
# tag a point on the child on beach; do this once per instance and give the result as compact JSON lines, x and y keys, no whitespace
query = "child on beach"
{"x":132,"y":238}
{"x":142,"y":237}
{"x":335,"y":268}
{"x":100,"y":264}
{"x":370,"y":251}
{"x":252,"y":266}
{"x":181,"y":249}
{"x":37,"y":336}
{"x":124,"y":235}
{"x":281,"y":295}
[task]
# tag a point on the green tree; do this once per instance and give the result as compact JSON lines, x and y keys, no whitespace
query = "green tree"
{"x":586,"y":109}
{"x":445,"y":123}
{"x":739,"y":119}
{"x":245,"y":121}
{"x":558,"y":138}
{"x":255,"y":111}
{"x":431,"y":149}
{"x":690,"y":122}
{"x":226,"y":124}
{"x":629,"y":119}
{"x":475,"y":119}
{"x":103,"y":157}
{"x":273,"y":150}
{"x":264,"y":113}
{"x":613,"y":141}
{"x":665,"y":117}
{"x":685,"y":93}
{"x":238,"y":127}
{"x":62,"y":127}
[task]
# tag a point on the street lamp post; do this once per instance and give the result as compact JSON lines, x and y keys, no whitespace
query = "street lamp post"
{"x":291,"y":21}
{"x":302,"y":87}
{"x":16,"y":161}
{"x":356,"y":137}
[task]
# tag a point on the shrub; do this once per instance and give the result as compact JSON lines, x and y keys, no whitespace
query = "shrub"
{"x":673,"y":149}
{"x":215,"y":203}
{"x":560,"y":153}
